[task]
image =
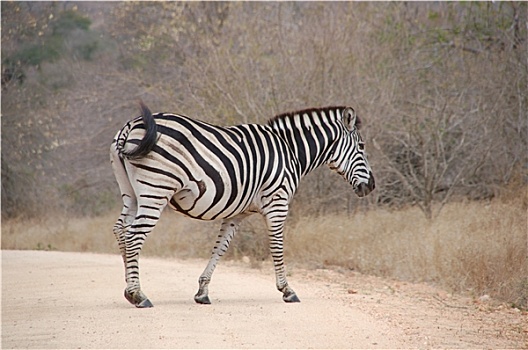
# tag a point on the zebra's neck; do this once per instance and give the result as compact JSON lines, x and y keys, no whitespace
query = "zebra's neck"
{"x":309,"y":134}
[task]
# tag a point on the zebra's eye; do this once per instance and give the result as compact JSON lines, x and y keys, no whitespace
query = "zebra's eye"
{"x":361,"y":146}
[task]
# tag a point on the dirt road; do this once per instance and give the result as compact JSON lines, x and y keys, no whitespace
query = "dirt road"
{"x":74,"y":300}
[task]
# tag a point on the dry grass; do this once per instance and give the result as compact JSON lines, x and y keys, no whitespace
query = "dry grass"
{"x":174,"y":236}
{"x":472,"y":246}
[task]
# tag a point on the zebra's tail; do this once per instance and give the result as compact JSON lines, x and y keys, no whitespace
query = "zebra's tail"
{"x":148,"y":141}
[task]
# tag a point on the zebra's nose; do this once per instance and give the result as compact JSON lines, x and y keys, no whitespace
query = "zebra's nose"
{"x":365,"y":188}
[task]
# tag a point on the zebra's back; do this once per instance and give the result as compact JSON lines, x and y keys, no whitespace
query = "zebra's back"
{"x":216,"y":172}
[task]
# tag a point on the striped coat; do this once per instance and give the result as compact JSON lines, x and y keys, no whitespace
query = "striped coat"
{"x":209,"y":172}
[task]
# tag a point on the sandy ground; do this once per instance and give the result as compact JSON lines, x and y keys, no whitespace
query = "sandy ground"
{"x":74,"y":300}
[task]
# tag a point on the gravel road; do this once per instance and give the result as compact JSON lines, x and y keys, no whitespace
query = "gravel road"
{"x":74,"y":300}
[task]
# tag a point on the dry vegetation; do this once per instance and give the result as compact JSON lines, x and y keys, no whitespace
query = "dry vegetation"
{"x":471,"y":247}
{"x":441,"y":89}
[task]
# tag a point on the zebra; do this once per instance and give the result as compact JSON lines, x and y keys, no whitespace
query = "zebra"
{"x":210,"y":172}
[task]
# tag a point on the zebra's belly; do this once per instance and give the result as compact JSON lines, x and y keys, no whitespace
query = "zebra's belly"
{"x":199,"y":203}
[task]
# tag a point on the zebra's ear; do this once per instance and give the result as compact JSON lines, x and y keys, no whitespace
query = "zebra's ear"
{"x":350,"y":119}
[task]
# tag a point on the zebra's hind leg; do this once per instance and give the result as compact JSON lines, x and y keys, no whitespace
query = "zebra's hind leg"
{"x":227,"y":232}
{"x":147,"y":216}
{"x":123,"y":223}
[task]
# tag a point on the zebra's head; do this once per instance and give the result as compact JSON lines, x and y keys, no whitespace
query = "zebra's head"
{"x":348,"y":157}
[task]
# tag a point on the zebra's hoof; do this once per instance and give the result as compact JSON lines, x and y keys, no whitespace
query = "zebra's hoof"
{"x":144,"y":304}
{"x":291,"y":298}
{"x":202,"y":299}
{"x":138,"y":299}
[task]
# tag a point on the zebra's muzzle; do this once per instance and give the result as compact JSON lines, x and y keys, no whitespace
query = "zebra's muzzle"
{"x":363,"y":188}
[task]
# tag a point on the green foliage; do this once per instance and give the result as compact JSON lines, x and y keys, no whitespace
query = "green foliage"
{"x":433,"y":15}
{"x":87,"y":51}
{"x":37,"y":53}
{"x":69,"y":21}
{"x":46,"y":247}
{"x":50,"y":46}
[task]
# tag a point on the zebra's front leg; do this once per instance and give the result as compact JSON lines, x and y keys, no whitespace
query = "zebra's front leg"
{"x":227,"y":232}
{"x":275,"y":222}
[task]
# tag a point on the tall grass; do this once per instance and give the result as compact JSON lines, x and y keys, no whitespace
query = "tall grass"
{"x":470,"y":246}
{"x":480,"y":247}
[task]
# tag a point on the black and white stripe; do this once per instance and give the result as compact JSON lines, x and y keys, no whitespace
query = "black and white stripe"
{"x":209,"y":172}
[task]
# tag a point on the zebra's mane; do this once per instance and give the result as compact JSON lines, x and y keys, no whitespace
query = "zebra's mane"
{"x":309,"y":111}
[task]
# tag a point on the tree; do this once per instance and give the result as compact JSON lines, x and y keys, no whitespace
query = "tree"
{"x":453,"y":99}
{"x":441,"y":87}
